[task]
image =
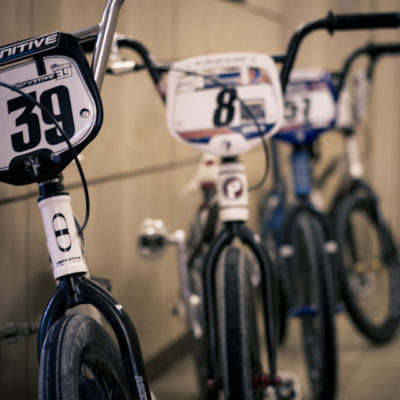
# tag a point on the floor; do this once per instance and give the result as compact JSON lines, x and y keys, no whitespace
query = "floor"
{"x":365,"y":372}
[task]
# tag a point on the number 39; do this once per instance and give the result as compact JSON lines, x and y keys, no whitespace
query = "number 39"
{"x":57,"y":97}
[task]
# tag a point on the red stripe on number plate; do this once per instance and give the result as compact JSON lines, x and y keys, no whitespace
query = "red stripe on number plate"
{"x":204,"y":133}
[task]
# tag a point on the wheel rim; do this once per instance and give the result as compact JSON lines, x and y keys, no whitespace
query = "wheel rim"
{"x":96,"y":381}
{"x":368,"y":275}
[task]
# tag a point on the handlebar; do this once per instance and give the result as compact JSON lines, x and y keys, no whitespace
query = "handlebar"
{"x":334,"y":23}
{"x":362,"y":21}
{"x":331,"y":23}
{"x":147,"y":59}
{"x":373,"y":51}
{"x":101,"y":37}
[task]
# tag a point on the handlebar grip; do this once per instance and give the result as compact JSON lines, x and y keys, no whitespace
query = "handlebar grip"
{"x":334,"y":23}
{"x":382,"y":48}
{"x":363,"y":21}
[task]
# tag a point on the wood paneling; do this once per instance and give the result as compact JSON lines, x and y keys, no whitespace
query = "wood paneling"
{"x":138,"y":170}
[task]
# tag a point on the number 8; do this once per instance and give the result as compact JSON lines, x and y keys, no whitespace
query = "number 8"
{"x":225,"y":100}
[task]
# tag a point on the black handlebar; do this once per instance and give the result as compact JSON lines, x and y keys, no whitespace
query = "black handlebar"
{"x":334,"y":23}
{"x":331,"y":23}
{"x":362,"y":21}
{"x":373,"y":51}
{"x":149,"y":64}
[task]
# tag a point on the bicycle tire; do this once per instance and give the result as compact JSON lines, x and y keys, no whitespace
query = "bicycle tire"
{"x":271,"y":215}
{"x":282,"y":297}
{"x":359,"y":277}
{"x":237,"y":328}
{"x":282,"y":320}
{"x":315,"y":298}
{"x":200,"y":349}
{"x":202,"y":231}
{"x":79,"y":360}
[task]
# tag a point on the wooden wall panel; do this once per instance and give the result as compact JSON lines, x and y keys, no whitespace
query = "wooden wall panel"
{"x":13,"y":299}
{"x":135,"y":169}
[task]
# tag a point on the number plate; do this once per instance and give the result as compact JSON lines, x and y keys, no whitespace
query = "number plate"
{"x":223,"y":103}
{"x":31,"y":147}
{"x":310,"y":106}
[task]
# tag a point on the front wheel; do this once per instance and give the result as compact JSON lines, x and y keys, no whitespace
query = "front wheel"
{"x":79,"y":360}
{"x":198,"y":330}
{"x":237,"y":328}
{"x":369,"y":268}
{"x":314,"y":305}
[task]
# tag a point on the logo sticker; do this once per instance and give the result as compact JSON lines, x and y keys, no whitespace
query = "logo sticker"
{"x":141,"y":388}
{"x":59,"y":71}
{"x":32,"y":165}
{"x":28,"y":47}
{"x":61,"y":231}
{"x":233,"y":188}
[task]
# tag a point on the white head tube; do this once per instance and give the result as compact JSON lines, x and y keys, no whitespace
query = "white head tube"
{"x":63,"y":241}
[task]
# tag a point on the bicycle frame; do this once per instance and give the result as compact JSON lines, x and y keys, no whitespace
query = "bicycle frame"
{"x":301,"y":164}
{"x":354,"y":173}
{"x":234,"y":211}
{"x":232,"y":199}
{"x":75,"y":289}
{"x":331,"y":23}
{"x":374,"y":52}
{"x":64,"y":244}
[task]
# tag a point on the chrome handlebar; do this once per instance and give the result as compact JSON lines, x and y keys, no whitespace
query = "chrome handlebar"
{"x":104,"y":32}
